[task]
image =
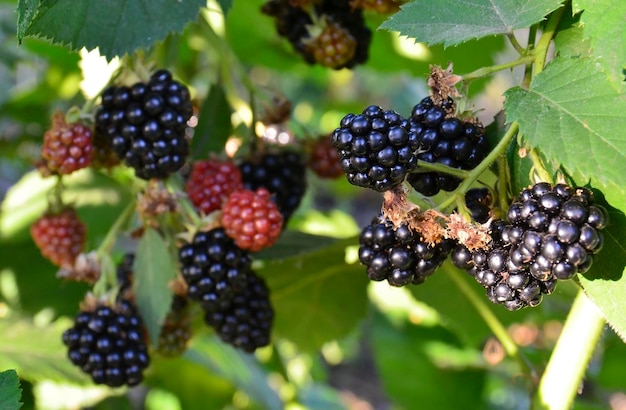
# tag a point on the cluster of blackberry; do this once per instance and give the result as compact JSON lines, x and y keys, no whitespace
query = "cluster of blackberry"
{"x":60,"y":236}
{"x":444,"y":139}
{"x":552,"y":234}
{"x":218,"y":275}
{"x":282,"y":173}
{"x":146,"y":124}
{"x":398,"y":254}
{"x":375,"y":148}
{"x":108,"y":344}
{"x":478,"y":202}
{"x":343,"y":41}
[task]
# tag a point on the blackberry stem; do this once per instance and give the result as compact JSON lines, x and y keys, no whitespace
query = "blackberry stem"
{"x":485,"y":71}
{"x":498,"y":329}
{"x":503,"y":183}
{"x":538,"y":166}
{"x":570,"y":357}
{"x":516,"y":45}
{"x":482,"y":167}
{"x":541,"y":51}
{"x":424,"y":166}
{"x":189,"y":211}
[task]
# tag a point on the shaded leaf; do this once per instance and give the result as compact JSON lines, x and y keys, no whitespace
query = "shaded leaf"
{"x":452,"y":22}
{"x":318,"y":396}
{"x":603,"y":25}
{"x":316,"y":297}
{"x":569,"y":40}
{"x":10,"y":391}
{"x":292,"y":243}
{"x":153,"y":268}
{"x":225,"y":5}
{"x":37,"y":352}
{"x":214,"y":126}
{"x":117,"y":27}
{"x":575,"y":117}
{"x":26,"y":10}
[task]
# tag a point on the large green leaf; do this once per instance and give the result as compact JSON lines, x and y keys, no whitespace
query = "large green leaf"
{"x":452,"y":22}
{"x":316,"y":297}
{"x":37,"y":352}
{"x":569,"y":40}
{"x":574,"y":116}
{"x":153,"y":268}
{"x":603,"y":24}
{"x":214,"y":126}
{"x":115,"y":26}
{"x":409,"y":375}
{"x":10,"y":392}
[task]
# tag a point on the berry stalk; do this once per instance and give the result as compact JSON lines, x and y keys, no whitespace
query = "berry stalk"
{"x":485,"y":71}
{"x":423,"y":166}
{"x":566,"y":368}
{"x":541,"y":51}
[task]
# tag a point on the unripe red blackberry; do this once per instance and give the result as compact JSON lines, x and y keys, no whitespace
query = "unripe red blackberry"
{"x":211,"y":182}
{"x":247,"y":323}
{"x":333,"y":47}
{"x":323,"y":158}
{"x":398,"y":254}
{"x":67,"y":147}
{"x":108,"y":344}
{"x":59,"y":236}
{"x":375,"y":148}
{"x":146,"y":124}
{"x":214,"y":268}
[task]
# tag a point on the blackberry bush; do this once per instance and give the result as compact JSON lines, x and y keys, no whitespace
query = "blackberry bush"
{"x":398,"y":254}
{"x":376,"y":149}
{"x":447,"y":140}
{"x":214,"y":268}
{"x":146,"y":124}
{"x":108,"y":344}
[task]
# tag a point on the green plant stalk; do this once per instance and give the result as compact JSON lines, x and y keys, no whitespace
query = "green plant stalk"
{"x":567,"y":365}
{"x":444,"y":169}
{"x":516,"y":45}
{"x":475,"y":173}
{"x":485,"y":71}
{"x":493,"y":322}
{"x":503,"y":183}
{"x":541,"y":51}
{"x":538,"y":166}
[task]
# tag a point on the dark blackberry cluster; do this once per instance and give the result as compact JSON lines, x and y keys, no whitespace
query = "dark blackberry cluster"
{"x":291,"y":21}
{"x":214,"y":268}
{"x":376,"y":148}
{"x":282,"y":173}
{"x":447,"y":140}
{"x":108,"y":344}
{"x":398,"y":254}
{"x":146,"y":124}
{"x":247,"y":323}
{"x":176,"y":330}
{"x":552,"y":234}
{"x":478,"y":202}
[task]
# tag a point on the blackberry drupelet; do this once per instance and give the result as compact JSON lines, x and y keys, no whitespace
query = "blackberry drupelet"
{"x":146,"y":124}
{"x":398,"y":254}
{"x":446,"y":140}
{"x":478,"y":202}
{"x":247,"y":323}
{"x":108,"y":344}
{"x":214,"y":268}
{"x":282,"y":173}
{"x":375,"y":148}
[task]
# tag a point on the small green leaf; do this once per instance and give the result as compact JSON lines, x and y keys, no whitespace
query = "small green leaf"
{"x":10,"y":391}
{"x":214,"y":126}
{"x":153,"y":268}
{"x":575,"y":117}
{"x":37,"y":351}
{"x":26,"y":10}
{"x":452,"y":22}
{"x":316,"y":297}
{"x":603,"y":25}
{"x":117,"y":27}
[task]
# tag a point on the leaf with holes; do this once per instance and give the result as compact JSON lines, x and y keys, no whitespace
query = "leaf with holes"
{"x":452,"y":22}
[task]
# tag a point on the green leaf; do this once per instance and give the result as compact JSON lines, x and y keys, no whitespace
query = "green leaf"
{"x":316,"y":297}
{"x":153,"y":268}
{"x":605,"y":283}
{"x":214,"y":126}
{"x":37,"y":352}
{"x":452,"y":22}
{"x":409,"y":374}
{"x":10,"y":391}
{"x":242,"y":369}
{"x":603,"y":23}
{"x":225,"y":5}
{"x":574,"y":116}
{"x":292,"y":243}
{"x":317,"y":396}
{"x":569,"y":40}
{"x":26,"y":10}
{"x":117,"y":27}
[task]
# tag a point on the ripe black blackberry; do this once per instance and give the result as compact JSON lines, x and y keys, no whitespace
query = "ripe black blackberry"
{"x":375,"y":148}
{"x":478,"y":202}
{"x":282,"y":173}
{"x":108,"y":344}
{"x":446,"y":140}
{"x":176,"y":330}
{"x":146,"y":124}
{"x":214,"y":268}
{"x":247,"y":323}
{"x":398,"y":254}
